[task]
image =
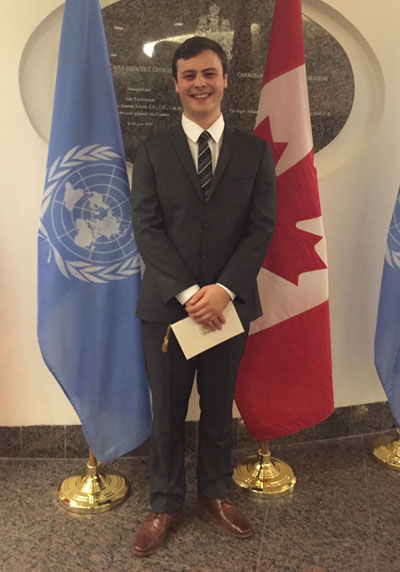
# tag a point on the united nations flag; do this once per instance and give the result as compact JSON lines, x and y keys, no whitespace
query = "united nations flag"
{"x":387,"y":338}
{"x":89,"y":272}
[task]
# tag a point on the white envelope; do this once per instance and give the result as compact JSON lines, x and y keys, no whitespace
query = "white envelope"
{"x":194,"y":338}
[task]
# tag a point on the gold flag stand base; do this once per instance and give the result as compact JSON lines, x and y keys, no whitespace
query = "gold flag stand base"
{"x":386,"y":450}
{"x":91,"y":490}
{"x":264,"y":476}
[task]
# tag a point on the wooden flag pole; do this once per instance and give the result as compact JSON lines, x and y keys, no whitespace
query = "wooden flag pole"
{"x":92,"y":459}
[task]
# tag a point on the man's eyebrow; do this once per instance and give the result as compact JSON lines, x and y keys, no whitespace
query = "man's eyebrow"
{"x":202,"y":71}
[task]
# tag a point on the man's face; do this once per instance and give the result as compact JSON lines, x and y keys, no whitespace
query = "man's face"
{"x":200,"y":84}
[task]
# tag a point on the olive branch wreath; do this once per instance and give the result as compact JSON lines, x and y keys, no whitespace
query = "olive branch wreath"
{"x":392,"y":257}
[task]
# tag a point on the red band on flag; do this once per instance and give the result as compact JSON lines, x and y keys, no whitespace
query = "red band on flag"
{"x":286,"y":47}
{"x":291,"y":390}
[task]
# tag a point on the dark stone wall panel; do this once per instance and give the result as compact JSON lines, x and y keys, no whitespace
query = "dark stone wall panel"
{"x":143,"y":34}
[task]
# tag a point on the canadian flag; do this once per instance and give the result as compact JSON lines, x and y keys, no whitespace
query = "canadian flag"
{"x":285,"y":378}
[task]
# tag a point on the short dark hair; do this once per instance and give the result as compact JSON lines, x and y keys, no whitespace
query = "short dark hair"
{"x":193,"y":47}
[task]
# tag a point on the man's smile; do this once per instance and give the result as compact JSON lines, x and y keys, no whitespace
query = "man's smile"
{"x":200,"y":95}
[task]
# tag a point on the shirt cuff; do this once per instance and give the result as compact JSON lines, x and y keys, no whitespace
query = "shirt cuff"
{"x":231,"y":294}
{"x":184,"y":296}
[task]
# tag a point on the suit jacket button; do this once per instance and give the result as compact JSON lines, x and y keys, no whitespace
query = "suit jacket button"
{"x":204,"y":257}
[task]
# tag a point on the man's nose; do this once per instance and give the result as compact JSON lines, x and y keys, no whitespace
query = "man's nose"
{"x":199,"y":80}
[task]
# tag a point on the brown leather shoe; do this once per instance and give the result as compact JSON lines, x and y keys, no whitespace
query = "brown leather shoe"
{"x":153,"y":531}
{"x":228,"y":516}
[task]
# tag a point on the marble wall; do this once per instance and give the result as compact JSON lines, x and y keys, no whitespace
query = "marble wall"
{"x":141,"y":45}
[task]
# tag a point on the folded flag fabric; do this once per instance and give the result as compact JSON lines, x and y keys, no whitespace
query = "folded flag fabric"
{"x":387,"y":337}
{"x":89,"y":272}
{"x":285,"y":377}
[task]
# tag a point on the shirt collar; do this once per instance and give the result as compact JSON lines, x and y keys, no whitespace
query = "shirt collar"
{"x":193,"y":130}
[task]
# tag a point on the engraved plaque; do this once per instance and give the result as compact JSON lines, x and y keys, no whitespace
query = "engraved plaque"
{"x":143,"y":35}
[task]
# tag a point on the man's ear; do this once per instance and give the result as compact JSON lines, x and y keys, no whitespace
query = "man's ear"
{"x":176,"y":86}
{"x":225,"y":80}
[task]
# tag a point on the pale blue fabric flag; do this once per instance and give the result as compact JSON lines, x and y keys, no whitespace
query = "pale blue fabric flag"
{"x":89,"y":272}
{"x":387,"y":338}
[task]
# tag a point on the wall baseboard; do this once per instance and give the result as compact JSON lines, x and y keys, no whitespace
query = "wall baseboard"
{"x":68,"y":442}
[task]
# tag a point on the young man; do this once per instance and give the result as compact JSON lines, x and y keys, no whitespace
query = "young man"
{"x":203,"y":213}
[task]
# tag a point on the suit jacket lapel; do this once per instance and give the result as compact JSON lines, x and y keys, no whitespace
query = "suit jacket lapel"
{"x":181,"y":146}
{"x":228,"y":145}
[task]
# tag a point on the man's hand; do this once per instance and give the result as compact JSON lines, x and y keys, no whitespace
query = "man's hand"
{"x":207,"y":305}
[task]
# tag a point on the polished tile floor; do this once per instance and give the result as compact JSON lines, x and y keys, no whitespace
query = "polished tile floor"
{"x":344,"y":516}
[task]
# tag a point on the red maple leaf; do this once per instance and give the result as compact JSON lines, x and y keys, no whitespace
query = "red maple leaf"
{"x":292,"y":250}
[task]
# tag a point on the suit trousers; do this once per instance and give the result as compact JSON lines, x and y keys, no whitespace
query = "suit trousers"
{"x":171,"y":379}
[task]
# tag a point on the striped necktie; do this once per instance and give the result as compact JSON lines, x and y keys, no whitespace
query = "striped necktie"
{"x":204,"y":168}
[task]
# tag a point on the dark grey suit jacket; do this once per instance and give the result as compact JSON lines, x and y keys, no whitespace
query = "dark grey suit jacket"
{"x":184,"y":239}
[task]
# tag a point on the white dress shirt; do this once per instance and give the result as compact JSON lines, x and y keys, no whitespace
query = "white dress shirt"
{"x":193,"y":131}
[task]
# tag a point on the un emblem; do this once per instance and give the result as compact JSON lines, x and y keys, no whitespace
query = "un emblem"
{"x":86,"y":216}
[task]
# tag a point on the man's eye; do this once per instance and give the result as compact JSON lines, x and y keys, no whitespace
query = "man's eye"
{"x":188,"y":76}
